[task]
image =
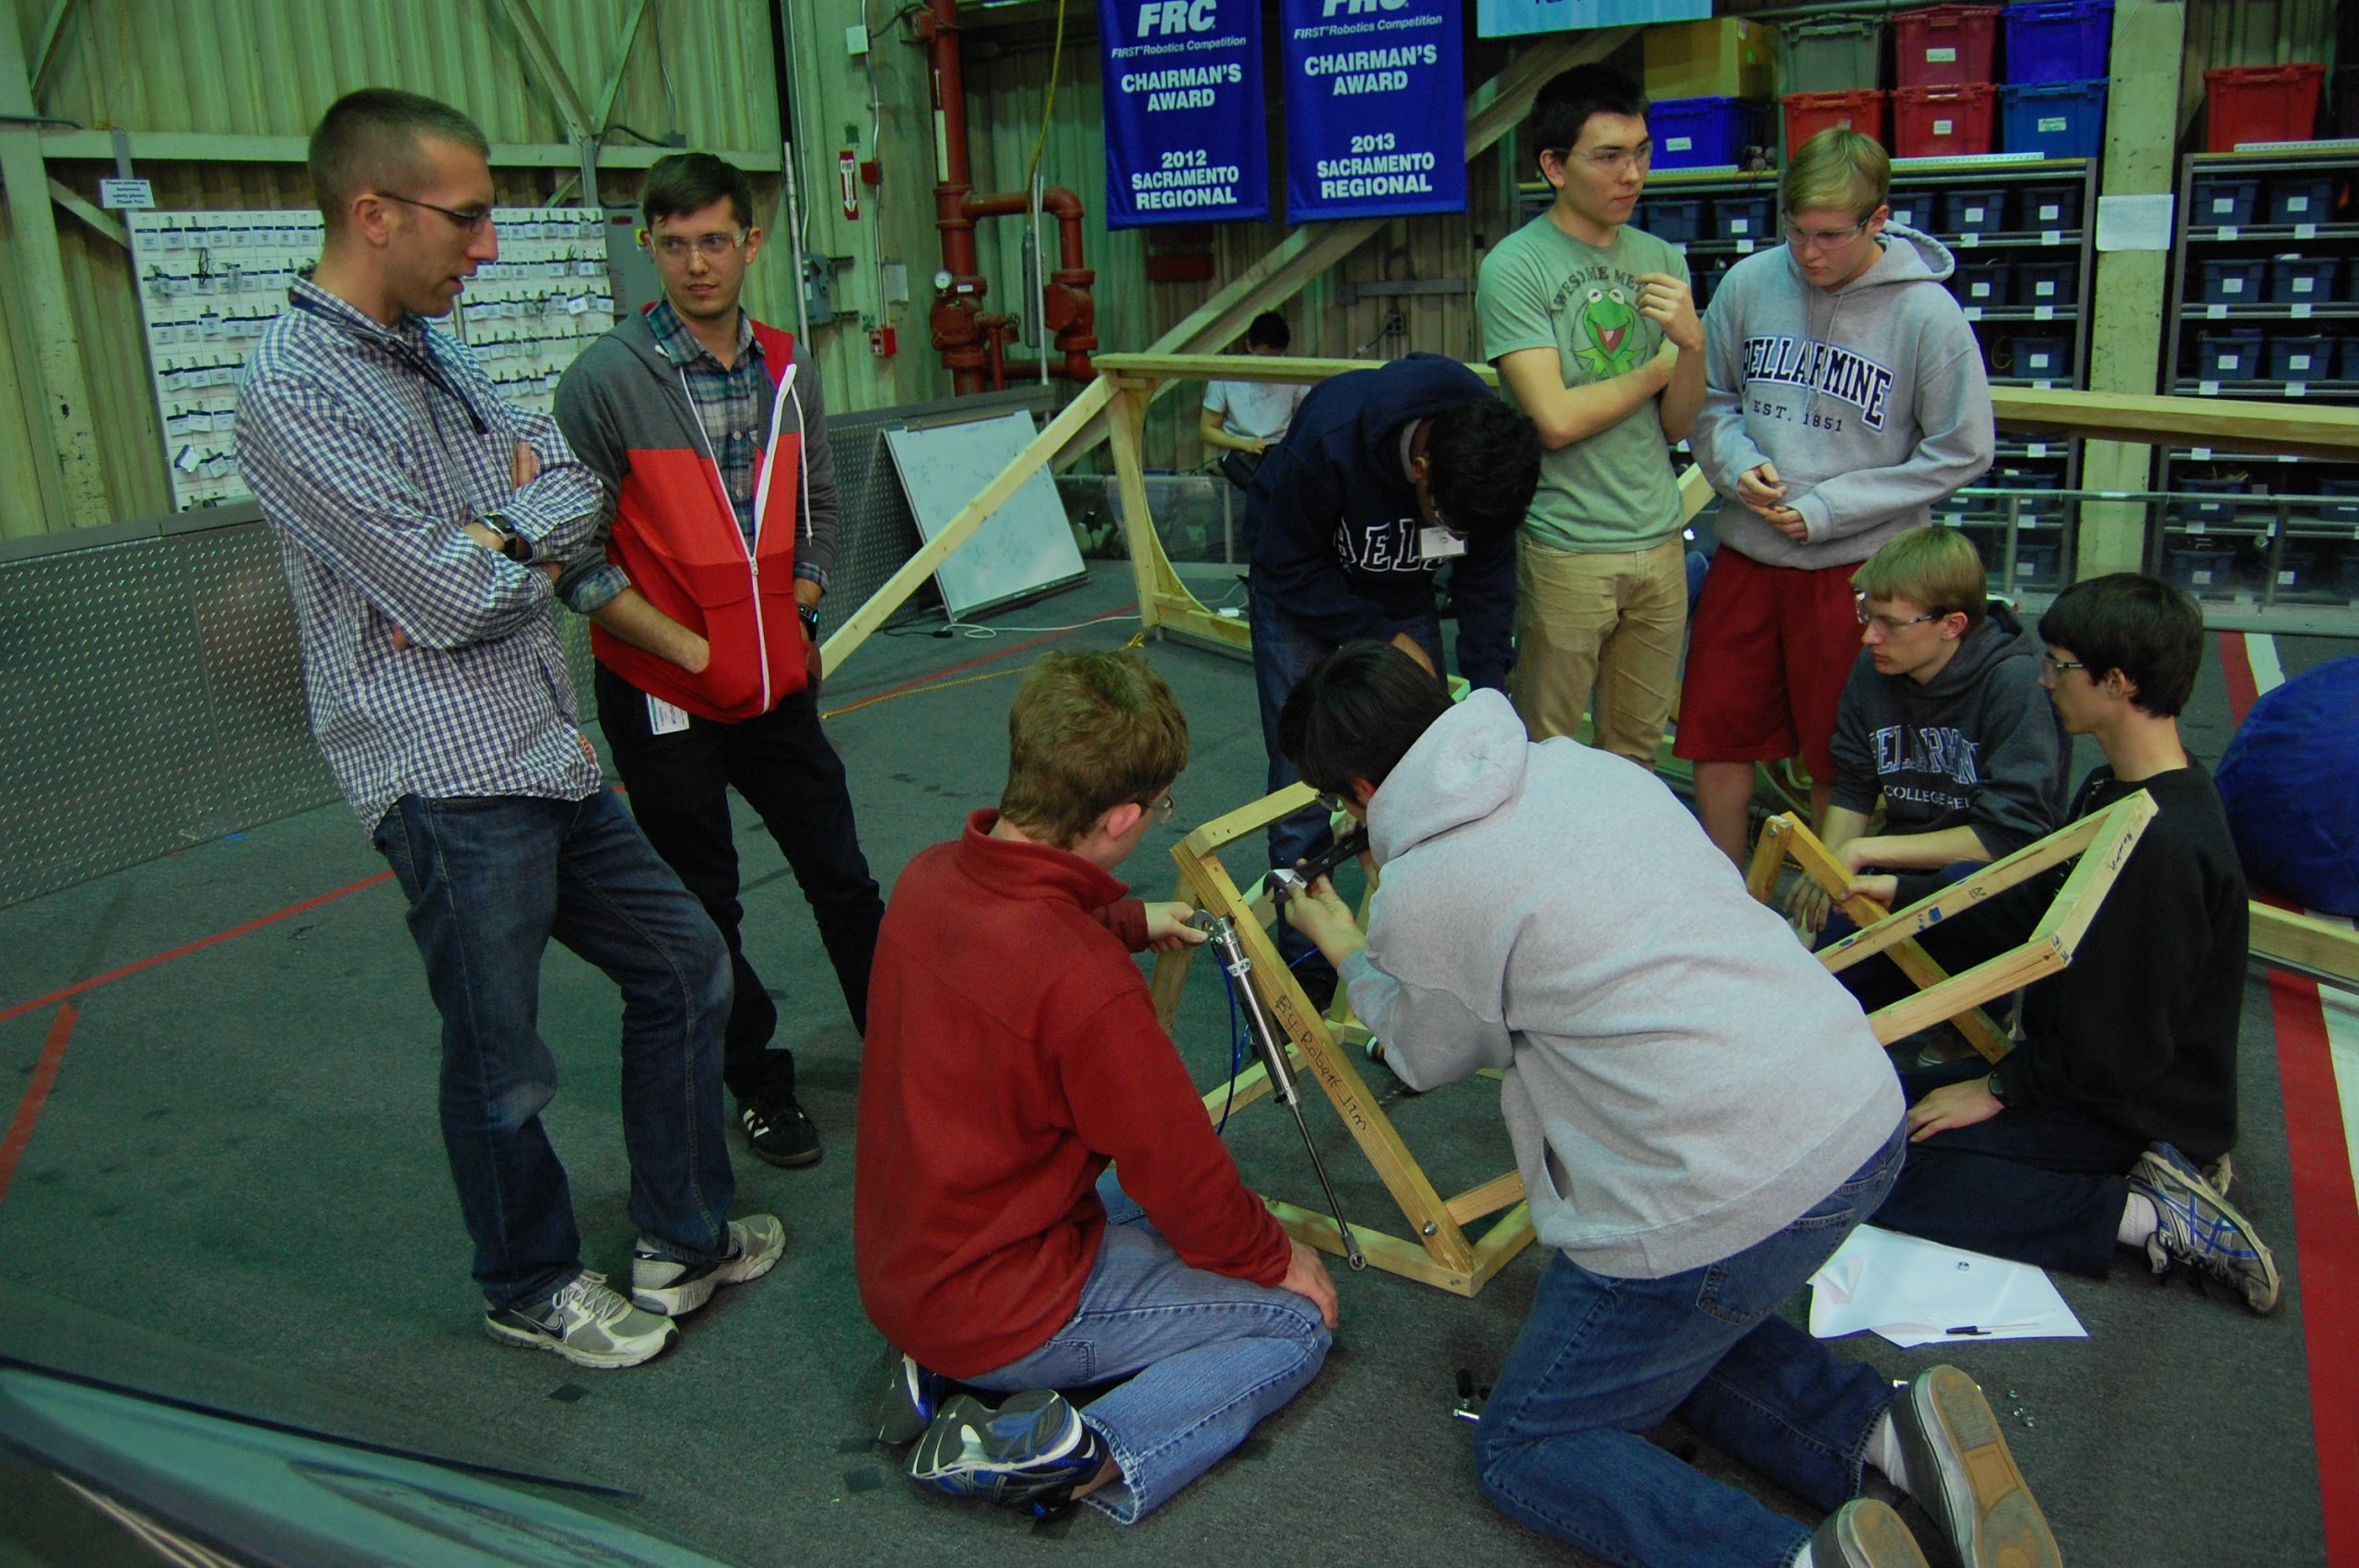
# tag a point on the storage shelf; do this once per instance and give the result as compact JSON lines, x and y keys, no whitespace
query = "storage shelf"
{"x":2238,"y":234}
{"x":2203,"y":312}
{"x":2192,"y":386}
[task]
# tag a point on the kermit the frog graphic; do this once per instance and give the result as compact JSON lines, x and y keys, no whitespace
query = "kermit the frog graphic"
{"x":1610,"y":324}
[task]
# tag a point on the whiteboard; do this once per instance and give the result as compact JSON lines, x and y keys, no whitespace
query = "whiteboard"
{"x":1023,"y":548}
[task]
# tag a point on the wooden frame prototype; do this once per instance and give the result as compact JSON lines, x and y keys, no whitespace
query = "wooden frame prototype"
{"x":2102,"y":841}
{"x":1442,"y":1253}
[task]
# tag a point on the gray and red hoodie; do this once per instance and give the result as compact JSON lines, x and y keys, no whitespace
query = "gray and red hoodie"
{"x":625,"y":408}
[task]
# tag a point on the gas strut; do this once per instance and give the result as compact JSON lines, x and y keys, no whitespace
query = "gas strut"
{"x":1222,"y":933}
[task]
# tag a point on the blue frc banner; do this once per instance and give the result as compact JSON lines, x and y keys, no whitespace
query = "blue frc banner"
{"x":1185,"y":140}
{"x":1511,"y":18}
{"x":1376,"y":108}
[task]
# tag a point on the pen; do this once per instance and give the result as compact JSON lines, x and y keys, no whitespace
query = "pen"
{"x":1989,"y":1327}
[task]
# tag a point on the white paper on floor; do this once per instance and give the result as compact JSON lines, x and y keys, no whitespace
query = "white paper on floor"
{"x":1915,"y":1291}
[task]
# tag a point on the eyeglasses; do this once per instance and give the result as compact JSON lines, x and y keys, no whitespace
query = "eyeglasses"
{"x":674,"y":248}
{"x":1802,"y":239}
{"x":1161,"y":810}
{"x":1610,"y":161}
{"x":2053,"y":668}
{"x":1887,"y":624}
{"x":472,"y":219}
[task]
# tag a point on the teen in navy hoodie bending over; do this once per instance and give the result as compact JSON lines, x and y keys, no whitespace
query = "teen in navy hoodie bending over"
{"x":1385,"y":476}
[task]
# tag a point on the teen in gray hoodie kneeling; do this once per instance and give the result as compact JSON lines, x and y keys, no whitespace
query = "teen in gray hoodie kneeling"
{"x":1700,"y":1116}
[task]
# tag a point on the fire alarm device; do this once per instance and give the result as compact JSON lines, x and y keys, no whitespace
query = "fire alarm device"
{"x":848,"y":176}
{"x":882,"y":343}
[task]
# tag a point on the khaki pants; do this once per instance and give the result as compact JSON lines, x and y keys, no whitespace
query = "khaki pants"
{"x":1602,"y":631}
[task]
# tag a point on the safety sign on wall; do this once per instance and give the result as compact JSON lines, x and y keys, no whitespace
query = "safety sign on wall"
{"x":1185,"y":141}
{"x":1376,"y":108}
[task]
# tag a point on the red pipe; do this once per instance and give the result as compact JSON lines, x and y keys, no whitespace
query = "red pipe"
{"x":971,"y":343}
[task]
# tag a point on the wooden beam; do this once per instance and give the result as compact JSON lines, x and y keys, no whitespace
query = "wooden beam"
{"x":961,"y":527}
{"x":1923,"y":970}
{"x":541,"y":65}
{"x":622,"y":63}
{"x":1284,"y":370}
{"x":45,"y":51}
{"x":95,"y":218}
{"x":2303,"y":429}
{"x":1499,"y":1192}
{"x":2316,"y":947}
{"x":72,"y":486}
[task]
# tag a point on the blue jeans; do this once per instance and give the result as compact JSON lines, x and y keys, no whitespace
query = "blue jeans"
{"x":1212,"y":1356}
{"x":2043,"y":1184}
{"x":489,"y":882}
{"x":1603,"y":1359}
{"x":1284,"y":652}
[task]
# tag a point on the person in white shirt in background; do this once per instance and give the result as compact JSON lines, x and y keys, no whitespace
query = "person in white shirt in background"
{"x":1246,"y":418}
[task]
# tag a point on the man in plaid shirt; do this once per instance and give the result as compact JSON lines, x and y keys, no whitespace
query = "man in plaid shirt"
{"x":421,"y":519}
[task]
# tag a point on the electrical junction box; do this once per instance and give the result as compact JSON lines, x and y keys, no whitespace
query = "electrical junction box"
{"x":628,"y":264}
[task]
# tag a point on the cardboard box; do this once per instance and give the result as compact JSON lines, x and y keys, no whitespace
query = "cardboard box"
{"x":1726,"y":57}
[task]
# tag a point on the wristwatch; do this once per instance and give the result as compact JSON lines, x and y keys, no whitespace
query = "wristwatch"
{"x":1996,"y":1088}
{"x":810,"y":614}
{"x":512,"y":544}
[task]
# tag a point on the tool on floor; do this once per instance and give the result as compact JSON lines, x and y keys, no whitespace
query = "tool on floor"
{"x":1222,"y":935}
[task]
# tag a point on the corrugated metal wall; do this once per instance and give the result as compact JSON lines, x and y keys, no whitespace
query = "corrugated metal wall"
{"x":269,"y":67}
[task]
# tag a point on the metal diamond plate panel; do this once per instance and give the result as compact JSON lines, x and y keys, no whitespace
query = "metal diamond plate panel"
{"x":266,"y":766}
{"x":106,"y":745}
{"x":878,"y":533}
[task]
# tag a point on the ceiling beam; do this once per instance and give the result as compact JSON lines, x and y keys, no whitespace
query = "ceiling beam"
{"x":541,"y":65}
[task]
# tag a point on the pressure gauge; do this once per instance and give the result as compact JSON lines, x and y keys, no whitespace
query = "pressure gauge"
{"x":942,"y":278}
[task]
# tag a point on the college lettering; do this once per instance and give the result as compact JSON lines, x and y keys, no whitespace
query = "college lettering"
{"x":1844,"y":374}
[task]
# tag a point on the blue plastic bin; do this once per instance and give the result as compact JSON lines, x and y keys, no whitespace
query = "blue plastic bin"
{"x":2043,"y":207}
{"x":1745,"y":218}
{"x":1974,"y":212}
{"x":2224,"y":202}
{"x":2210,"y":512}
{"x":2231,"y":356}
{"x":2040,"y":357}
{"x":2059,"y":42}
{"x":2301,"y":358}
{"x":2207,"y":573}
{"x":2233,"y":283}
{"x":2047,"y":283}
{"x":1675,"y":220}
{"x":1914,"y":209}
{"x":2302,"y":280}
{"x":2054,"y":119}
{"x":1702,"y":133}
{"x":2301,"y":198}
{"x":2346,"y":360}
{"x":2339,"y":510}
{"x":2036,"y":563}
{"x":1989,"y":286}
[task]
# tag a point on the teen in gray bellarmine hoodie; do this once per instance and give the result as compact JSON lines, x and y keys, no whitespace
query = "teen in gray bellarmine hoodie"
{"x":1869,"y":400}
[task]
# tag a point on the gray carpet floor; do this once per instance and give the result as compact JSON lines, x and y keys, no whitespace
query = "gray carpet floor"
{"x":236,"y":1195}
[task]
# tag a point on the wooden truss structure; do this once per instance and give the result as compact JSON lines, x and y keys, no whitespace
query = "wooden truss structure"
{"x":2103,"y":842}
{"x":1438,"y":1250}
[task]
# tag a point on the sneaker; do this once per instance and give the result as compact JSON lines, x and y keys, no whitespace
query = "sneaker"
{"x":1864,"y":1533}
{"x":675,"y":1289}
{"x":1959,"y":1468}
{"x":586,"y":1323}
{"x":904,"y":1398}
{"x":2222,"y":1174}
{"x":1030,"y":1453}
{"x":779,"y":1131}
{"x":2200,"y":1228}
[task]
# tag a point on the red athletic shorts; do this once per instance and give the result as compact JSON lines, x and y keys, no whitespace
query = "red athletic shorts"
{"x":1768,"y":650}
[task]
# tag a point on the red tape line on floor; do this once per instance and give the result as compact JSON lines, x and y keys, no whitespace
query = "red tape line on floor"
{"x":2326,"y":1207}
{"x":80,"y":986}
{"x":20,"y":1129}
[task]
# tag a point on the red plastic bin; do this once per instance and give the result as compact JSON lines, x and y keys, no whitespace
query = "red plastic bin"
{"x":1944,"y":46}
{"x":1944,"y":121}
{"x":1808,"y":113}
{"x":2260,"y":103}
